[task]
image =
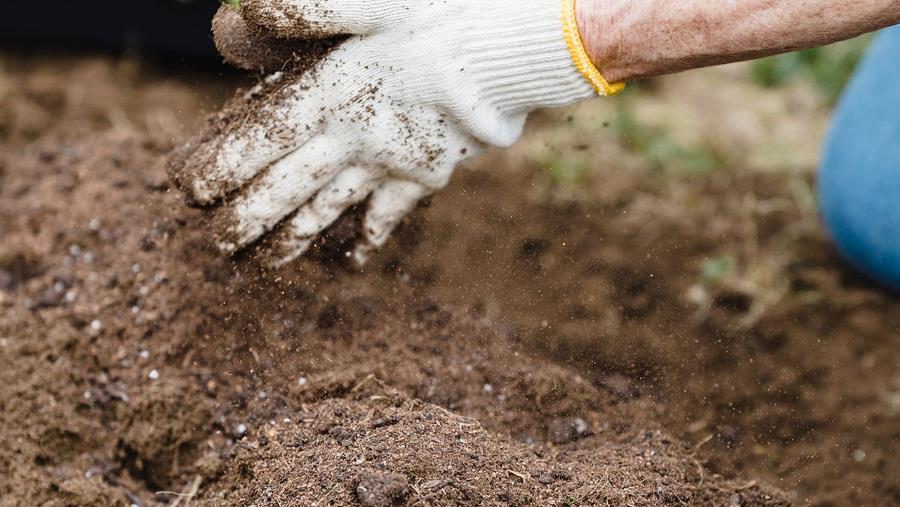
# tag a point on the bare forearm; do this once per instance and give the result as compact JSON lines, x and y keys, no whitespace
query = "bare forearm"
{"x":630,"y":40}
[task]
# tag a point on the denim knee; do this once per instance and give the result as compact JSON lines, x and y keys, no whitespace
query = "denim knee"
{"x":859,"y":182}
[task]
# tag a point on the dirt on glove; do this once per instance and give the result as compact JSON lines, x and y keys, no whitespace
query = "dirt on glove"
{"x":248,"y":49}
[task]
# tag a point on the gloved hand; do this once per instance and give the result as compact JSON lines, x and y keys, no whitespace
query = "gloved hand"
{"x":420,"y":86}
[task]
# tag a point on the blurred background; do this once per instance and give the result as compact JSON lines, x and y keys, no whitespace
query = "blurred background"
{"x":177,"y":30}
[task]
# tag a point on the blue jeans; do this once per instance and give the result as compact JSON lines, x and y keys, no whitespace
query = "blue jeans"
{"x":859,"y":183}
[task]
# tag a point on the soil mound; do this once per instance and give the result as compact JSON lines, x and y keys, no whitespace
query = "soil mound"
{"x":140,"y":367}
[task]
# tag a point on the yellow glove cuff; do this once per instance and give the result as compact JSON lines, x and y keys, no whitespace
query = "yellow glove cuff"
{"x":579,"y":53}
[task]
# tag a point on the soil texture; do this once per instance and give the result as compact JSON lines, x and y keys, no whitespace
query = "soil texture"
{"x":139,"y":367}
{"x":507,"y":349}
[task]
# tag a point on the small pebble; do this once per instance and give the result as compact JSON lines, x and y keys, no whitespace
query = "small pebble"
{"x":488,"y":388}
{"x":153,"y":375}
{"x":240,"y":429}
{"x":581,"y":426}
{"x":96,"y":325}
{"x":144,"y":354}
{"x":302,"y":381}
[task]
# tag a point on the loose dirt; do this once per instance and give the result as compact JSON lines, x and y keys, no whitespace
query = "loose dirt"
{"x":139,"y":367}
{"x":248,"y":49}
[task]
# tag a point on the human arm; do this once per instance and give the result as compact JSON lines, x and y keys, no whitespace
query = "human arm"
{"x":630,"y":40}
{"x":421,"y":85}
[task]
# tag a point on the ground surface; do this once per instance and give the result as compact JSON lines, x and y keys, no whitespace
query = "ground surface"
{"x":619,"y":338}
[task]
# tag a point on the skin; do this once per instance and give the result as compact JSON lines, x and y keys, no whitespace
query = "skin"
{"x":290,"y":155}
{"x":629,"y":40}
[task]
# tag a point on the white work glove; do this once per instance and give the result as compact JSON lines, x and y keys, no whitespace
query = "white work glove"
{"x":420,"y":86}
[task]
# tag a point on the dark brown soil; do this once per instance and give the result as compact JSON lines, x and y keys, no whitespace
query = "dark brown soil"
{"x":138,"y":367}
{"x":787,"y":370}
{"x":248,"y":49}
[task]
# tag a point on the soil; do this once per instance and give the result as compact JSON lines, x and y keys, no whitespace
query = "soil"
{"x":248,"y":49}
{"x":509,"y":348}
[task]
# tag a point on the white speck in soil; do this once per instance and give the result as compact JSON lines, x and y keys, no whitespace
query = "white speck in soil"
{"x":488,"y":388}
{"x":581,"y":426}
{"x":143,"y":290}
{"x":96,"y":325}
{"x":859,"y":455}
{"x":71,"y":296}
{"x":135,"y":310}
{"x":153,"y":375}
{"x":286,"y":420}
{"x":94,"y":224}
{"x":74,"y":250}
{"x":88,"y":257}
{"x":262,"y":395}
{"x":87,"y":395}
{"x":302,"y":381}
{"x":144,"y":354}
{"x":893,"y":401}
{"x":136,"y":268}
{"x":240,"y":429}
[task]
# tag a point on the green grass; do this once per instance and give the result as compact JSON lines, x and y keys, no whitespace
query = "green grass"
{"x":713,"y":271}
{"x":661,"y":152}
{"x":565,"y":170}
{"x":829,"y":68}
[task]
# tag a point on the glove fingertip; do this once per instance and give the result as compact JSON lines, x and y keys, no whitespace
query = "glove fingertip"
{"x":244,"y":48}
